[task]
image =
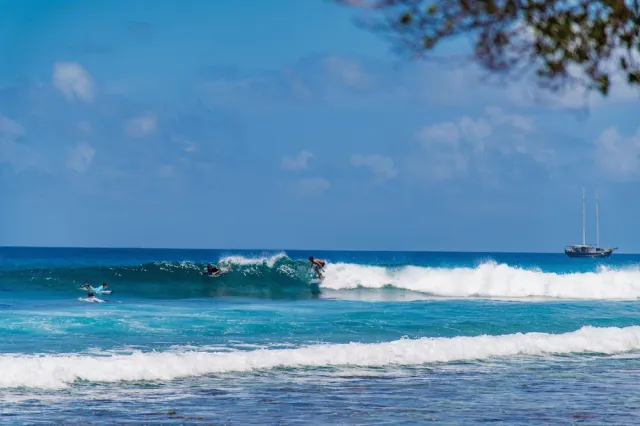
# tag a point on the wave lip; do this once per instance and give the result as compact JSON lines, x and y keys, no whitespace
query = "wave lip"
{"x":270,"y":261}
{"x":489,"y":280}
{"x":58,"y":371}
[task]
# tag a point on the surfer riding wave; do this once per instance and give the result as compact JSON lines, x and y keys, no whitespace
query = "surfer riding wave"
{"x":318,"y":265}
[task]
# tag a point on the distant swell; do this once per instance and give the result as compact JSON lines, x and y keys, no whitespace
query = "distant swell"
{"x":281,"y":277}
{"x":58,"y":371}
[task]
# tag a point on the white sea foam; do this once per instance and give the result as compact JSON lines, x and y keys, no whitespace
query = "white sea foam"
{"x":58,"y":371}
{"x":171,"y":266}
{"x":489,"y":280}
{"x":241,"y":260}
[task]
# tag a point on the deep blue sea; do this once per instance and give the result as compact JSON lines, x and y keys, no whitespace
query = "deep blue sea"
{"x":386,"y":338}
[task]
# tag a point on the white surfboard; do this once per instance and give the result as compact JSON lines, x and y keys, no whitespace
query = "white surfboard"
{"x":97,"y":291}
{"x":91,"y":300}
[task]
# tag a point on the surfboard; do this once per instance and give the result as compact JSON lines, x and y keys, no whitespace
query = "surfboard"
{"x":97,"y":291}
{"x":91,"y":300}
{"x":315,"y":285}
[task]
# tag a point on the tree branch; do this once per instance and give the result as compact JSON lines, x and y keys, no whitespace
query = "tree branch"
{"x":591,"y":42}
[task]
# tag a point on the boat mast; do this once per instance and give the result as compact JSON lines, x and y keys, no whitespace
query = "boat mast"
{"x":597,"y":222}
{"x":584,"y":235}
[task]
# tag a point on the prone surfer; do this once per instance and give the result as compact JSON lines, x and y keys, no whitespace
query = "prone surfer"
{"x":318,"y":264}
{"x":214,"y":270}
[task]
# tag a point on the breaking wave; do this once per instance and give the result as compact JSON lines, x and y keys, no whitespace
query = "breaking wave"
{"x":489,"y":280}
{"x":59,"y":371}
{"x":280,"y":276}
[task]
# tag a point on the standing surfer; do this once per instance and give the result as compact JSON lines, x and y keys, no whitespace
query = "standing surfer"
{"x":319,"y":266}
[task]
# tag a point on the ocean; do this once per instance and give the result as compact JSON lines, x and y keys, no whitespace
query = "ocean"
{"x":386,"y":338}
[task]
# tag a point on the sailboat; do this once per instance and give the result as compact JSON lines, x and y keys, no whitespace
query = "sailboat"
{"x":584,"y":249}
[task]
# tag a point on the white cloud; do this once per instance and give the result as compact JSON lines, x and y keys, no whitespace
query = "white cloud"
{"x":141,"y":126}
{"x":475,"y":131}
{"x":299,"y":162}
{"x":529,"y":94}
{"x":518,"y":122}
{"x":618,"y":156}
{"x":348,"y":71}
{"x":446,"y":132}
{"x":574,"y":95}
{"x":461,"y":83}
{"x":81,"y":157}
{"x":382,"y":167}
{"x":315,"y":185}
{"x":450,"y":147}
{"x":444,"y":157}
{"x":73,"y":81}
{"x":441,"y":161}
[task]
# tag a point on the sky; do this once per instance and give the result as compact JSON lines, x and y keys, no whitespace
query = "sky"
{"x":283,"y":125}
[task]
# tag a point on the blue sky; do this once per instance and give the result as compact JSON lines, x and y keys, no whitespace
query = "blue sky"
{"x":281,"y":124}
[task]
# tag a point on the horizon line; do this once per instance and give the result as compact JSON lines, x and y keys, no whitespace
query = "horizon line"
{"x":285,"y":250}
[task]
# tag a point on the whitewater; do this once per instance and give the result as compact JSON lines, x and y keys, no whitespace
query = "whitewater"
{"x":386,"y":337}
{"x":489,"y":280}
{"x":57,"y":371}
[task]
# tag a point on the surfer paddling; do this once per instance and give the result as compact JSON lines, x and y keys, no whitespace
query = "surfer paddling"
{"x":318,"y":265}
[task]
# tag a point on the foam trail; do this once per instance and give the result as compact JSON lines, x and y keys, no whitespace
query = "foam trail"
{"x":489,"y":280}
{"x":270,"y":261}
{"x":57,"y":371}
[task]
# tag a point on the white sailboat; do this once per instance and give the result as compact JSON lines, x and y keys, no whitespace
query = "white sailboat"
{"x":584,"y":249}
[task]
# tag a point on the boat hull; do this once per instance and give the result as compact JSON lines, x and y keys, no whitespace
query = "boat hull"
{"x":597,"y":254}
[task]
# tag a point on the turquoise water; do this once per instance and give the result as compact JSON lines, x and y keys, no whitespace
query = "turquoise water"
{"x":389,"y":338}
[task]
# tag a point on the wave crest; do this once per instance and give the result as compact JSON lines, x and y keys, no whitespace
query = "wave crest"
{"x":489,"y":279}
{"x":58,"y":371}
